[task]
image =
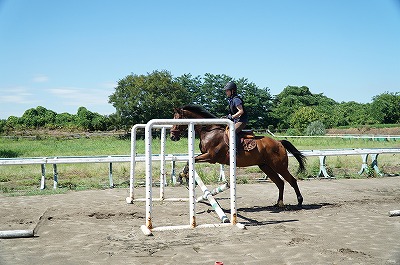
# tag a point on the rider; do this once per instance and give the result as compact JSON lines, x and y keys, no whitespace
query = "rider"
{"x":237,"y":112}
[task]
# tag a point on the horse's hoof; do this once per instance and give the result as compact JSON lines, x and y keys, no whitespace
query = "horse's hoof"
{"x":280,"y":204}
{"x":300,"y":201}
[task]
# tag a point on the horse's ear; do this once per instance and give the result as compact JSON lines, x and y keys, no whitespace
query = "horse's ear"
{"x":176,"y":110}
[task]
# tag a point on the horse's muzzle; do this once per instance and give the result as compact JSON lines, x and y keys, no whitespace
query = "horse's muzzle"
{"x":175,"y":138}
{"x":175,"y":135}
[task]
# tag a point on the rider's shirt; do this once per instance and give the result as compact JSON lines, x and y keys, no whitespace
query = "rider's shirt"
{"x":233,"y":103}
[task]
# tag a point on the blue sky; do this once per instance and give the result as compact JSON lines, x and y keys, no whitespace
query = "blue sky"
{"x":69,"y":53}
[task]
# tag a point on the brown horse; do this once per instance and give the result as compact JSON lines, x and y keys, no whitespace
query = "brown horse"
{"x":270,"y":155}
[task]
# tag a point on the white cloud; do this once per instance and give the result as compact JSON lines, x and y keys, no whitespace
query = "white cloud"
{"x":110,"y":85}
{"x":81,"y":96}
{"x":40,"y":79}
{"x":17,"y":95}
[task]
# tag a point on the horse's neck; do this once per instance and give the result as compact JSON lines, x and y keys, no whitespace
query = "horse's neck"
{"x":211,"y":133}
{"x":191,"y":115}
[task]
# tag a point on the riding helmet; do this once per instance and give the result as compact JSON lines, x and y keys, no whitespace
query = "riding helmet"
{"x":230,"y":86}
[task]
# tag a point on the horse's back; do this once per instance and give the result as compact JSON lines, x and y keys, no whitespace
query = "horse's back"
{"x":271,"y":146}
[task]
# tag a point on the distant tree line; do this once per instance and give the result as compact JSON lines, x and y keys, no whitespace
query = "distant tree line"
{"x":139,"y":98}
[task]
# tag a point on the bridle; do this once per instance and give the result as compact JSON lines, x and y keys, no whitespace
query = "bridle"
{"x":175,"y":129}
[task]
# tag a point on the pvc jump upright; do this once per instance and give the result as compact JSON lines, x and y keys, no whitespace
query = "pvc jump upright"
{"x":148,"y":227}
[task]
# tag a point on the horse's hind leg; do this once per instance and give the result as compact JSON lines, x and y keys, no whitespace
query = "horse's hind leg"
{"x":277,"y":180}
{"x":293,"y":182}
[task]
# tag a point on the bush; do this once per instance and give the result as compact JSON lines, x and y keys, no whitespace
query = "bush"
{"x":292,"y":132}
{"x":315,"y":128}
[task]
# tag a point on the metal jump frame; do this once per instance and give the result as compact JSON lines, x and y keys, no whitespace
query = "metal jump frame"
{"x":163,"y":123}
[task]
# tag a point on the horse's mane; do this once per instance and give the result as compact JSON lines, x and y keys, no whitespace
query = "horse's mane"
{"x":199,"y":110}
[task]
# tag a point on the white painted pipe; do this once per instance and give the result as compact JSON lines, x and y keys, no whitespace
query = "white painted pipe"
{"x":394,"y":213}
{"x":16,"y":233}
{"x":213,"y":192}
{"x":211,"y":199}
{"x":163,"y":178}
{"x":192,"y":176}
{"x":148,"y":158}
{"x":133,"y":159}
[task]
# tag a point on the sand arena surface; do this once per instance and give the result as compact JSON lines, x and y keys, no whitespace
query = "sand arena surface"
{"x":342,"y":222}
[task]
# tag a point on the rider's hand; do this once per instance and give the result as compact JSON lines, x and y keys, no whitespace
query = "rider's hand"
{"x":229,"y":116}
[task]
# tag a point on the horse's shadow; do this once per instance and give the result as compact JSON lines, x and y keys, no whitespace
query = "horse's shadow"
{"x":286,"y":208}
{"x":272,"y":209}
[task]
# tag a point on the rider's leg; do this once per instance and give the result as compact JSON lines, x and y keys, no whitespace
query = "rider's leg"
{"x":239,"y":126}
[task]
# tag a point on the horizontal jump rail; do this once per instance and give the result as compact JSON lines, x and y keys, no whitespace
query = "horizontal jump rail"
{"x":84,"y":159}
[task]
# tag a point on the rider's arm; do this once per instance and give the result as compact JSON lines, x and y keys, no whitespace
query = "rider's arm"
{"x":239,"y":113}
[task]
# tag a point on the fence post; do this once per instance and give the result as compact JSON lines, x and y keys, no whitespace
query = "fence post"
{"x":110,"y":176}
{"x":43,"y":179}
{"x":55,"y":176}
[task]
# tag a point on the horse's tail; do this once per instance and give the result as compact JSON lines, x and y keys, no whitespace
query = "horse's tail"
{"x":296,"y":153}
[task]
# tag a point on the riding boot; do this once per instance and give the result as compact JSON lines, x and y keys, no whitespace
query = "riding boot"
{"x":237,"y":143}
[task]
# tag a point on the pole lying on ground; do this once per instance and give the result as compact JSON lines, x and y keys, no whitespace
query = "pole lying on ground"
{"x":16,"y":233}
{"x":394,"y":213}
{"x":208,"y":196}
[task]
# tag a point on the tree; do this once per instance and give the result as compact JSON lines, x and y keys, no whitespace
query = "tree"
{"x":100,"y":122}
{"x":38,"y":117}
{"x":12,"y":123}
{"x":66,"y":121}
{"x":303,"y":117}
{"x":385,"y":108}
{"x":30,"y":118}
{"x":351,"y":113}
{"x":84,"y":119}
{"x":3,"y":125}
{"x":139,"y":98}
{"x":292,"y":98}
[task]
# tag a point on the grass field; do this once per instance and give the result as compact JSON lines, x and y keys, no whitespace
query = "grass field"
{"x":26,"y":179}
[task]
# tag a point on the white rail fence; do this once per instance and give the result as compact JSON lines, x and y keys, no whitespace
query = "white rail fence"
{"x":322,"y":154}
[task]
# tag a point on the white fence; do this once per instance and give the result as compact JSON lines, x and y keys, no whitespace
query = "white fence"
{"x":322,"y":154}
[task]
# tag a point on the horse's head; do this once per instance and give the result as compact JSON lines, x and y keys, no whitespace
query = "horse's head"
{"x":187,"y":112}
{"x":176,"y":129}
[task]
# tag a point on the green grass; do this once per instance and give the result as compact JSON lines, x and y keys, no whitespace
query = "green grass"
{"x":25,"y":179}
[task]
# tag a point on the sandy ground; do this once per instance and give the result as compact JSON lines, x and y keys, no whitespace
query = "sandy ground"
{"x":342,"y":222}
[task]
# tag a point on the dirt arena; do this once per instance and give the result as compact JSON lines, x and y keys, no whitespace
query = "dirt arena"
{"x":343,"y":222}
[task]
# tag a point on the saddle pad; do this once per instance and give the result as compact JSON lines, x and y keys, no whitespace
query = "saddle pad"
{"x":249,"y":144}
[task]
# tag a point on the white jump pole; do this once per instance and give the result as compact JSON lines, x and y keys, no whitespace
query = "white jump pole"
{"x":134,"y":129}
{"x":394,"y":213}
{"x":208,"y":196}
{"x":213,"y":192}
{"x":16,"y":233}
{"x":149,"y":178}
{"x":232,"y":171}
{"x":192,"y":185}
{"x":133,"y":162}
{"x":163,"y":178}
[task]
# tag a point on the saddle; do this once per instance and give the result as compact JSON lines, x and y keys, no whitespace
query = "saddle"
{"x":247,"y":139}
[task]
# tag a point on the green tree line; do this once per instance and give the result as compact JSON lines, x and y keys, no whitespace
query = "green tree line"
{"x":139,"y":98}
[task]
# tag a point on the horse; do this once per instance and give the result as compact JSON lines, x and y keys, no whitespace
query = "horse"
{"x":269,"y":155}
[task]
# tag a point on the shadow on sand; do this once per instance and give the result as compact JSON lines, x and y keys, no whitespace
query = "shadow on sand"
{"x":241,"y":212}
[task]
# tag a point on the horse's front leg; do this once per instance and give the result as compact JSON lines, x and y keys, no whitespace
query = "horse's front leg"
{"x":203,"y":158}
{"x":198,"y":159}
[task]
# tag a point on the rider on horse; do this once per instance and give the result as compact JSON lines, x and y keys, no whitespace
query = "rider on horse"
{"x":237,"y":112}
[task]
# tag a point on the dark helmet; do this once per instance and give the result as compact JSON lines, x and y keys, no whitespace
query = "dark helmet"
{"x":230,"y":86}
